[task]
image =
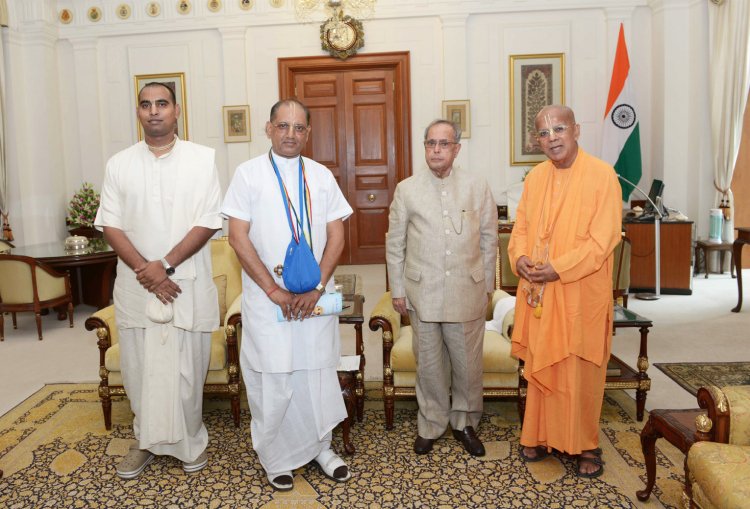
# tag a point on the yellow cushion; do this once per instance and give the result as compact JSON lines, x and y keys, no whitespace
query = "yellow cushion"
{"x":496,"y":355}
{"x":722,"y":472}
{"x":217,"y":362}
{"x":738,"y":398}
{"x":409,"y":379}
{"x":221,"y":290}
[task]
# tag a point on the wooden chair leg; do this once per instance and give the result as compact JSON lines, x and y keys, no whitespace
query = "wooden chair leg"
{"x":39,"y":324}
{"x":15,"y":324}
{"x":107,"y":411}
{"x":2,"y":327}
{"x":236,"y":410}
{"x":388,"y":407}
{"x":70,"y":313}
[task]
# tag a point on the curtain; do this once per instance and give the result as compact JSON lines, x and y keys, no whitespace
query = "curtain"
{"x":7,"y":232}
{"x":729,"y":52}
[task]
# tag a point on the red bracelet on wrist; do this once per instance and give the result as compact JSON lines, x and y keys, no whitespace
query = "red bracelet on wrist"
{"x":268,"y":294}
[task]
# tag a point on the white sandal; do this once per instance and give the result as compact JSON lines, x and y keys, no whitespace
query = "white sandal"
{"x":329,"y":461}
{"x":273,"y":480}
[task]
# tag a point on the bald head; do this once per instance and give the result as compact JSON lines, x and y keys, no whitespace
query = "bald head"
{"x":557,"y":134}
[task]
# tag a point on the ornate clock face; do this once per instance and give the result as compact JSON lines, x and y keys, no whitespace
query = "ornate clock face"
{"x":342,"y":36}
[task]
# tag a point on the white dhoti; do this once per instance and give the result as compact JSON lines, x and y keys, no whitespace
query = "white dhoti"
{"x":163,"y":370}
{"x":293,"y":415}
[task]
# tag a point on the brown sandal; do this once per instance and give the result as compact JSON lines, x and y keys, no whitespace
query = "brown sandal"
{"x":541,"y":453}
{"x":595,"y":458}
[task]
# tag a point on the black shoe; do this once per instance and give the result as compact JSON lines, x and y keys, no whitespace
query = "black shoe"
{"x":423,"y":445}
{"x":470,"y":441}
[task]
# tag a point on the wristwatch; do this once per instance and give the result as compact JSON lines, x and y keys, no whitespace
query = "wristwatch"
{"x":321,"y":288}
{"x":167,"y":267}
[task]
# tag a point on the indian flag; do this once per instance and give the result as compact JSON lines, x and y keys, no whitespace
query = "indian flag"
{"x":621,"y":143}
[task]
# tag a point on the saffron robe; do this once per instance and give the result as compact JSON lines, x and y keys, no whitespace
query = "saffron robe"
{"x":566,"y":350}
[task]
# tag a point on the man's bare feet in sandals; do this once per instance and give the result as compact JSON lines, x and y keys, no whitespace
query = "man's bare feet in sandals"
{"x":590,"y":463}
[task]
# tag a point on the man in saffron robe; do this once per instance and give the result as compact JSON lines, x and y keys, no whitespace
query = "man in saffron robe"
{"x":160,"y":204}
{"x":567,"y":226}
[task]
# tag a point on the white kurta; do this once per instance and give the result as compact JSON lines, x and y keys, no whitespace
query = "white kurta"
{"x":272,"y":350}
{"x":156,"y":202}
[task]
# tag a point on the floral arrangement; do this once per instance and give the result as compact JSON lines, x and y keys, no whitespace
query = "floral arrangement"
{"x":82,"y":208}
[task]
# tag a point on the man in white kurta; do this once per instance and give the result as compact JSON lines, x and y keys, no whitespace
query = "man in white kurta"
{"x":159,"y":206}
{"x":289,"y":367}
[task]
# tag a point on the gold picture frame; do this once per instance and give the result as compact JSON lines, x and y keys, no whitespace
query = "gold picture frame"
{"x":535,"y":81}
{"x":175,"y":81}
{"x":236,"y":123}
{"x":459,"y":112}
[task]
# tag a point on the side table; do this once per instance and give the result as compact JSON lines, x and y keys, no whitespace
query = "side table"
{"x":705,"y":247}
{"x":743,"y":237}
{"x":677,"y":427}
{"x":347,"y":381}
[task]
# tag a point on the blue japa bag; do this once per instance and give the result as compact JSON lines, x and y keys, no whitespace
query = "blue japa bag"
{"x":301,"y":271}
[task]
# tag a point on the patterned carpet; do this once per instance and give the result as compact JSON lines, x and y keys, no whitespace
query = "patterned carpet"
{"x":55,"y":452}
{"x":693,"y":375}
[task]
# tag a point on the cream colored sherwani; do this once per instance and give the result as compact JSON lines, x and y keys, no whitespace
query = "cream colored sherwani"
{"x":440,"y":251}
{"x":156,"y":201}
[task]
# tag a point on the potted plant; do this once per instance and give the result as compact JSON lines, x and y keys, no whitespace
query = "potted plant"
{"x":82,"y":212}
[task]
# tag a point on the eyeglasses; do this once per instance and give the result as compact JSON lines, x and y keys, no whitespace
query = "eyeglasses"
{"x":443,"y":144}
{"x":558,"y":130}
{"x":284,"y":127}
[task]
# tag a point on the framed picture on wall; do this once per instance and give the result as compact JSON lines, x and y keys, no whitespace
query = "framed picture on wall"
{"x":459,"y":113}
{"x":176,"y":82}
{"x":236,"y":123}
{"x":536,"y":81}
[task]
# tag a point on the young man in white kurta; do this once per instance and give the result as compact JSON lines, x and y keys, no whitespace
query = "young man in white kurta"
{"x":155,"y":201}
{"x":289,"y":367}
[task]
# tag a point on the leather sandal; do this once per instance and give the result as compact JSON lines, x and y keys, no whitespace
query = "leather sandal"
{"x":329,"y":462}
{"x":541,"y":453}
{"x":595,"y":458}
{"x":282,"y":481}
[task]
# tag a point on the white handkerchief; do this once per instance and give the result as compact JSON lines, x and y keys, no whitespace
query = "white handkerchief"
{"x":158,"y":312}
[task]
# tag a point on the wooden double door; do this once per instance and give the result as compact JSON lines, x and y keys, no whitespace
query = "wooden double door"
{"x":360,"y":121}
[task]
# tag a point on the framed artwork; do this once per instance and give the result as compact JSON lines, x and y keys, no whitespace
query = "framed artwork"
{"x":175,"y":81}
{"x":459,"y":113}
{"x":236,"y":123}
{"x":536,"y":81}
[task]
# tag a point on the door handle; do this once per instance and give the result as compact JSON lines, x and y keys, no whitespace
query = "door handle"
{"x":371,"y":197}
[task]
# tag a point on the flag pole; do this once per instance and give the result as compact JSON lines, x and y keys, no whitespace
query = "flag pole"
{"x":657,"y":239}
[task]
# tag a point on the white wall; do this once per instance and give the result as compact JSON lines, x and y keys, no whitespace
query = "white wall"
{"x":71,"y":99}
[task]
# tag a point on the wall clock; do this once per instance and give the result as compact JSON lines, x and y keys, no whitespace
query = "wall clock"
{"x":342,"y":36}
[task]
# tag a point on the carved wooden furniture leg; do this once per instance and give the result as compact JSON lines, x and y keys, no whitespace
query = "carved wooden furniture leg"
{"x":743,"y":237}
{"x":347,"y":383}
{"x":677,"y":427}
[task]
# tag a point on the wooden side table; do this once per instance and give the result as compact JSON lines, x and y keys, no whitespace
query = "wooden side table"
{"x":706,"y":247}
{"x":677,"y":427}
{"x":743,"y":237}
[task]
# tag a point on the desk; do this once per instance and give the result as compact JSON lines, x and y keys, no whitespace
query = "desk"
{"x":675,"y":253}
{"x":629,"y":378}
{"x":354,"y":315}
{"x":743,"y":237}
{"x":92,"y":270}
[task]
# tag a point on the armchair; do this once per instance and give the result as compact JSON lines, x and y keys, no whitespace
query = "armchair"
{"x":502,"y":374}
{"x":223,"y":371}
{"x":27,"y":284}
{"x":717,"y":469}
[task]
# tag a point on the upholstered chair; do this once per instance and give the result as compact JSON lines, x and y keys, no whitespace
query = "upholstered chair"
{"x":502,"y":374}
{"x":621,"y":272}
{"x":507,"y":280}
{"x":223,"y":371}
{"x":717,"y":469}
{"x":29,"y":285}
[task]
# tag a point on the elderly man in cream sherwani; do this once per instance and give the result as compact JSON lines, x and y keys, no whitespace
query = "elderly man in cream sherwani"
{"x":159,"y":206}
{"x":440,"y":250}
